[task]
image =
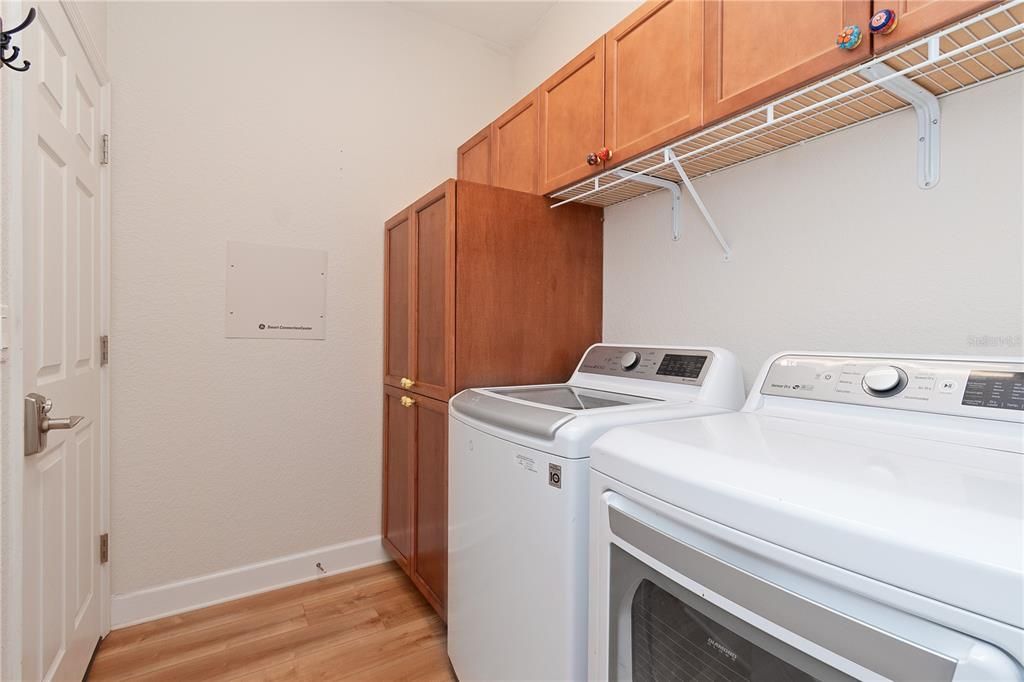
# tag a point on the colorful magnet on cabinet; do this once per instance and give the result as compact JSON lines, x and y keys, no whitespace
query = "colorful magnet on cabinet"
{"x":883,"y":22}
{"x":849,"y":38}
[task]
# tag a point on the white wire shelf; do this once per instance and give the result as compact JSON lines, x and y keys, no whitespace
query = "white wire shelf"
{"x":981,"y":48}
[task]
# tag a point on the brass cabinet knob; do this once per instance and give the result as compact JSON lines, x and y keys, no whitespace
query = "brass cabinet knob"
{"x":407,"y":401}
{"x":407,"y":383}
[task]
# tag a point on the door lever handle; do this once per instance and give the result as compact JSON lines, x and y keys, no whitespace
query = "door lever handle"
{"x":48,"y":424}
{"x":38,"y":422}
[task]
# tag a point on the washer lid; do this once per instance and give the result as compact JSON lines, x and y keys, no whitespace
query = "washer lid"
{"x":572,"y":397}
{"x":938,"y":519}
{"x":509,"y":414}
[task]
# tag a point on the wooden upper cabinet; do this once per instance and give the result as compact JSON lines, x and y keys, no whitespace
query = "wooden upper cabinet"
{"x":572,"y":119}
{"x":399,"y":477}
{"x":916,"y":18}
{"x":653,"y":76}
{"x":474,"y":161}
{"x":430,"y":568}
{"x":397,"y":290}
{"x":515,"y":161}
{"x":756,"y":50}
{"x":433,"y":293}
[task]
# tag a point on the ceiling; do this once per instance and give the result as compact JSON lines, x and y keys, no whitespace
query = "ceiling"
{"x":505,"y":23}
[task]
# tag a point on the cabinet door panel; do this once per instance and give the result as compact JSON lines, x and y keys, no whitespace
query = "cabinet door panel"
{"x":515,"y":161}
{"x":398,"y":492}
{"x":757,"y":49}
{"x":475,"y":158}
{"x":653,"y":76}
{"x":572,"y":119}
{"x":919,"y":17}
{"x":430,"y":567}
{"x":434,"y":320}
{"x":397,"y":309}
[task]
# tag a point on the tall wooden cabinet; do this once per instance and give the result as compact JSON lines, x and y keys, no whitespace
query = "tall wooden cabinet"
{"x":484,"y":286}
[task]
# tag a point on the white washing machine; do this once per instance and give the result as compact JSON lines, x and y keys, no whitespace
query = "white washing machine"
{"x":861,"y":518}
{"x":518,"y":470}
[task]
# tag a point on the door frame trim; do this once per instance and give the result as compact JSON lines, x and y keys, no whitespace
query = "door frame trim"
{"x":12,"y":93}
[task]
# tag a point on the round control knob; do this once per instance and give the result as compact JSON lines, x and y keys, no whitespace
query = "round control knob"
{"x":884,"y":379}
{"x":630,"y":360}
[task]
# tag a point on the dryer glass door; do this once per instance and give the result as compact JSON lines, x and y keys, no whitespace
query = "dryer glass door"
{"x":684,"y":613}
{"x":667,"y":632}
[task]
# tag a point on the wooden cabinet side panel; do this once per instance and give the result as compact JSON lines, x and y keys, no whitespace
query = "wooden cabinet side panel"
{"x":398,"y":472}
{"x":572,"y":119}
{"x":741,"y":72}
{"x":917,"y":18}
{"x":397,"y":292}
{"x":433,"y":219}
{"x":514,"y":136}
{"x":529,"y":287}
{"x":474,"y":158}
{"x":430,"y":567}
{"x":653,"y":62}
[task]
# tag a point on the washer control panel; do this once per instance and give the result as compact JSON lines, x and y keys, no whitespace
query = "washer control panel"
{"x":959,"y":387}
{"x":674,"y":365}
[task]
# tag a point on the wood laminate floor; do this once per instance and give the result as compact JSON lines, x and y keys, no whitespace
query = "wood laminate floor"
{"x":369,"y":624}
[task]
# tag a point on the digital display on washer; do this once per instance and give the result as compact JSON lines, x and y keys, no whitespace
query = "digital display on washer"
{"x":683,"y":366}
{"x":1001,"y":390}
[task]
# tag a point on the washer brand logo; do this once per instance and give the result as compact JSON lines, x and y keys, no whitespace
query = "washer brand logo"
{"x":555,"y":476}
{"x":731,"y":655}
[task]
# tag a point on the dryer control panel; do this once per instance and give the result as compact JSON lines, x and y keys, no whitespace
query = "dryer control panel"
{"x":673,"y":365}
{"x":994,"y":390}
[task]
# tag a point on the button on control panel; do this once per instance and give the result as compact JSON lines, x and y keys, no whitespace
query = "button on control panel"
{"x":958,"y":387}
{"x":672,"y":365}
{"x":884,"y":381}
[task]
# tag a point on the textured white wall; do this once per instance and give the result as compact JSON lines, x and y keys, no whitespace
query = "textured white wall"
{"x":835,"y":247}
{"x":304,"y":124}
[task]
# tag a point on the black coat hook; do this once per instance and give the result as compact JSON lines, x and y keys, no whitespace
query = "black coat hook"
{"x":5,"y":43}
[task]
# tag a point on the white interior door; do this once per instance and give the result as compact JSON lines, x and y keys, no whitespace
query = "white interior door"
{"x":62,"y":216}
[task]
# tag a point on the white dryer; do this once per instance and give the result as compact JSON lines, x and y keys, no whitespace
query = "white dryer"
{"x":861,"y":518}
{"x":518,"y":485}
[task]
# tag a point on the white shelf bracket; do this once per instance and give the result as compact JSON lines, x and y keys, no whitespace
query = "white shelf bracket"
{"x":677,"y":198}
{"x":929,"y":120}
{"x":726,"y":250}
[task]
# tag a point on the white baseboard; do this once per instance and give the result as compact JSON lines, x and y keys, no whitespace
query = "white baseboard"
{"x":206,"y":590}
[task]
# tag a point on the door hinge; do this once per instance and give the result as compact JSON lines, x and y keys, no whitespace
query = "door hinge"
{"x":104,"y":350}
{"x":105,"y":150}
{"x":105,"y":548}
